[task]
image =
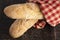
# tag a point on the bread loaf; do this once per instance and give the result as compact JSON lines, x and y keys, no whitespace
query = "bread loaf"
{"x":19,"y":27}
{"x":23,"y":11}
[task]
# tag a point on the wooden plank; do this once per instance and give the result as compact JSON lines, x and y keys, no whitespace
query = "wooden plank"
{"x":32,"y":34}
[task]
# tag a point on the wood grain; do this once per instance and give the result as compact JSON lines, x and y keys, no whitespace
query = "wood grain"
{"x":48,"y":33}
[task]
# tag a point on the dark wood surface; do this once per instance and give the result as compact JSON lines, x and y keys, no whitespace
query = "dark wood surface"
{"x":48,"y":33}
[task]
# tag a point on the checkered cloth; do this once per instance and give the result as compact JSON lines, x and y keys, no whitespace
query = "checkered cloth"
{"x":40,"y":24}
{"x":51,"y":12}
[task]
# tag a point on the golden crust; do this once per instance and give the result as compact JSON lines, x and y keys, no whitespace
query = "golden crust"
{"x":19,"y":27}
{"x":23,"y":11}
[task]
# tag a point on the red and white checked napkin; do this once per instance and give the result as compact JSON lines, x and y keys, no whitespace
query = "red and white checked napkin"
{"x":51,"y":12}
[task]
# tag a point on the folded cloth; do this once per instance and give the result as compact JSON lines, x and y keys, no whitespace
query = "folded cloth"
{"x":51,"y":12}
{"x":40,"y":24}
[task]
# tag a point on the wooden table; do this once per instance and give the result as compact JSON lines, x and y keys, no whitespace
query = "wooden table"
{"x":48,"y":33}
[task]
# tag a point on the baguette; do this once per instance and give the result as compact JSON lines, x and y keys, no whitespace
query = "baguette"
{"x":19,"y":27}
{"x":23,"y":11}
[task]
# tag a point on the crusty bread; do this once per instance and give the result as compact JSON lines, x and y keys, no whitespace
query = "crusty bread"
{"x":19,"y":27}
{"x":27,"y":15}
{"x":23,"y":11}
